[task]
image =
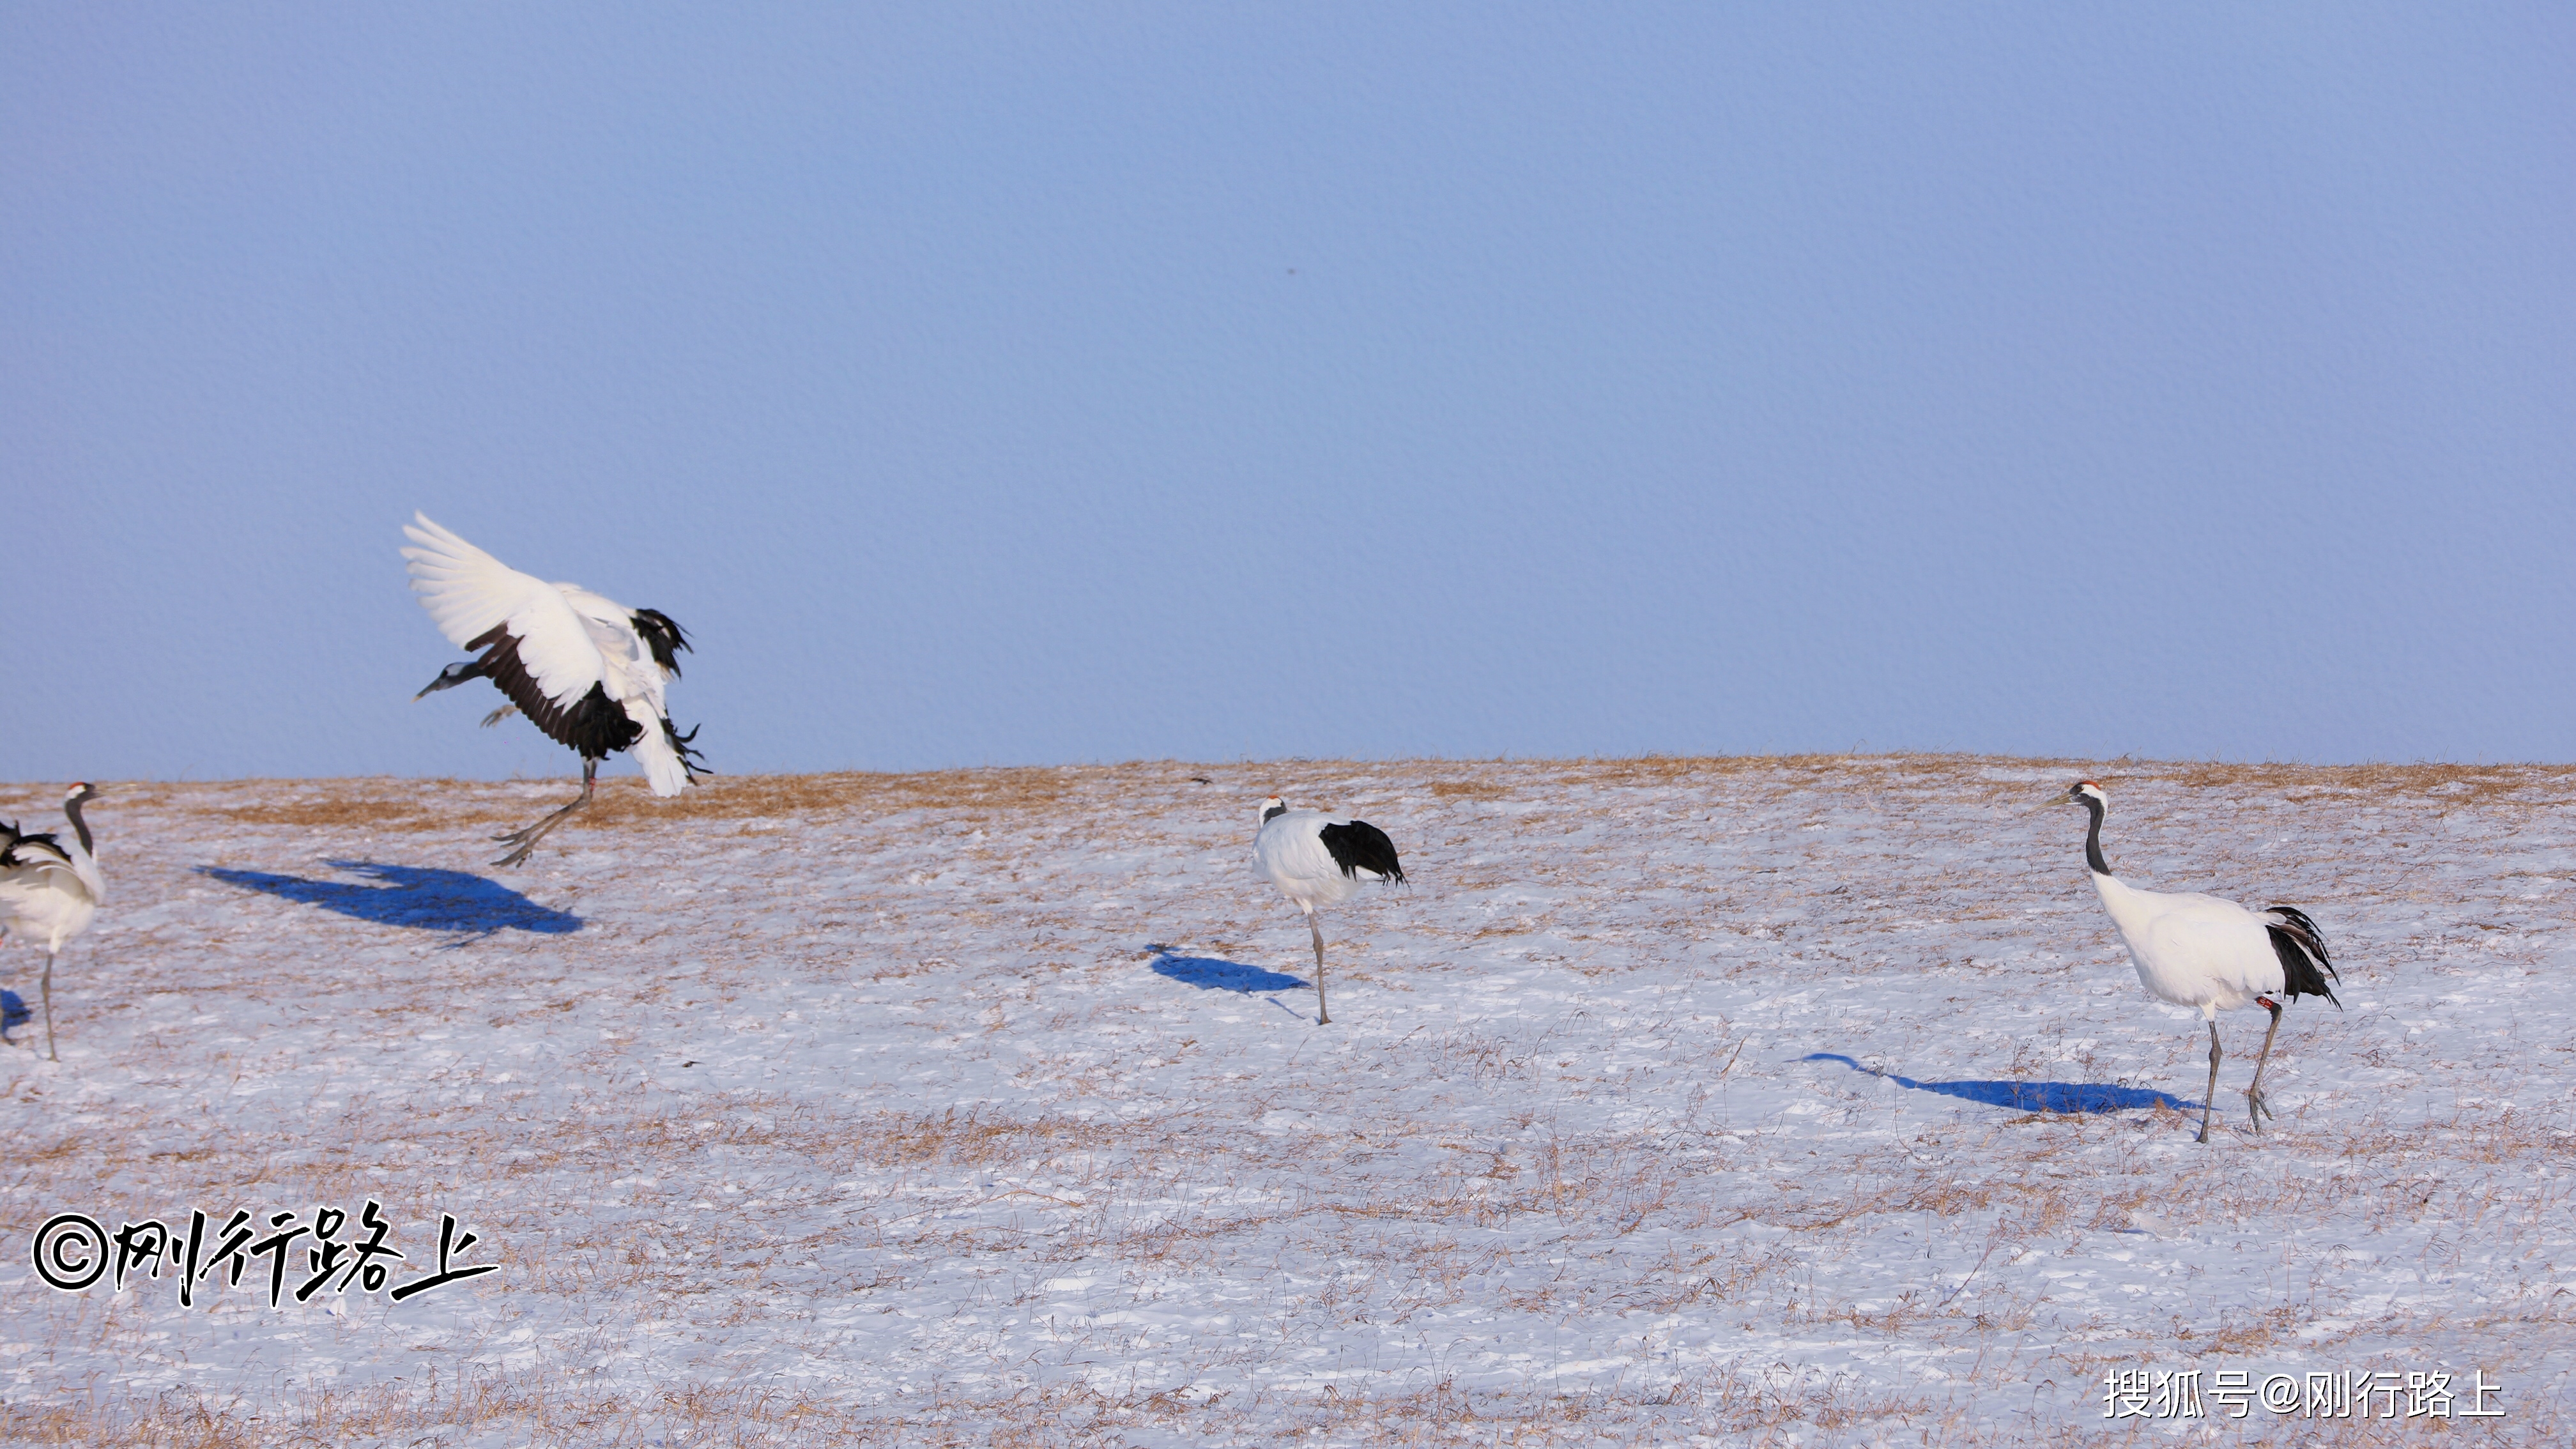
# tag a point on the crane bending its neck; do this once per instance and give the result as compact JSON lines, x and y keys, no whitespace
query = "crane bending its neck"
{"x":2093,"y":836}
{"x":72,"y":808}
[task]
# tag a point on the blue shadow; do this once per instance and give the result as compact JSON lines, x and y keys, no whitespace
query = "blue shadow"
{"x":13,"y":1011}
{"x":408,"y":895}
{"x":2029,"y":1096}
{"x":1211,"y":974}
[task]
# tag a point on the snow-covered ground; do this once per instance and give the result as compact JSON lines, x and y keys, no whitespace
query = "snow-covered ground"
{"x":1673,"y":1101}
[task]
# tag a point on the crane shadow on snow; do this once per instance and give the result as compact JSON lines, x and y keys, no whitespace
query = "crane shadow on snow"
{"x":13,"y":1012}
{"x":2029,"y":1096}
{"x":410,"y":895}
{"x":1210,"y":973}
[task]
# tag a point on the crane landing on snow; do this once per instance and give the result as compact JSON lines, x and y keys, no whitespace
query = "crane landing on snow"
{"x":1318,"y":860}
{"x":586,"y":670}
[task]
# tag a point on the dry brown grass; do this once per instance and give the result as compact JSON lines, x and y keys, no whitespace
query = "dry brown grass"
{"x":367,"y":814}
{"x":625,"y":803}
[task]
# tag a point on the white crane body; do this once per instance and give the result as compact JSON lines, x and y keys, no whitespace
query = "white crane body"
{"x":1318,"y":860}
{"x":51,"y":888}
{"x":1290,"y":850}
{"x":2194,"y":950}
{"x":48,"y":893}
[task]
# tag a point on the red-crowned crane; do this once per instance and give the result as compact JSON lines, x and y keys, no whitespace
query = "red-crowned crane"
{"x":2196,"y":950}
{"x":586,"y":670}
{"x":1318,"y":861}
{"x":49,"y":890}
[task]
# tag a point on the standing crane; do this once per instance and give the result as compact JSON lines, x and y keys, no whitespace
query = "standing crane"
{"x":2196,"y":950}
{"x":1318,"y":860}
{"x":49,"y":890}
{"x":586,"y":670}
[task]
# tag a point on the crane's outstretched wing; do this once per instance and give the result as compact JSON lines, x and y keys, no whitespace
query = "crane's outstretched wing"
{"x":536,"y":647}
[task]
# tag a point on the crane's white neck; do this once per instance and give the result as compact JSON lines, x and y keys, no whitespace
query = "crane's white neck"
{"x":2129,"y":908}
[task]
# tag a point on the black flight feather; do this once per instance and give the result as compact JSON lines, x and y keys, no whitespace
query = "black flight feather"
{"x":1361,"y":846}
{"x":661,"y":635}
{"x":592,"y":726}
{"x":2302,"y":949}
{"x":690,"y":760}
{"x":15,"y":847}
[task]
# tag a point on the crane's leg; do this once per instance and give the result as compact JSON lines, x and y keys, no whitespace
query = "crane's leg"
{"x":2211,"y":1096}
{"x":49,"y":1008}
{"x":527,"y":839}
{"x":2255,"y":1106}
{"x":1323,"y":1017}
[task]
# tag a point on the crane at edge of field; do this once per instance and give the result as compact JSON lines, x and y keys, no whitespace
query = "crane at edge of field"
{"x":1318,"y":860}
{"x":49,"y":890}
{"x":2199,"y":950}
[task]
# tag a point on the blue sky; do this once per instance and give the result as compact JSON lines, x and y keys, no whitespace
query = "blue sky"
{"x":1034,"y":384}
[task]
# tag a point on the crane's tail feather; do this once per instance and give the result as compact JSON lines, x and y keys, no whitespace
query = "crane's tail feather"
{"x":2305,"y":967}
{"x":30,"y":849}
{"x":669,"y":764}
{"x":1360,"y":846}
{"x":690,"y":759}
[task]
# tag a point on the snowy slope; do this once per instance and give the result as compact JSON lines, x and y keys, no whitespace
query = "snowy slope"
{"x":1671,"y":1102}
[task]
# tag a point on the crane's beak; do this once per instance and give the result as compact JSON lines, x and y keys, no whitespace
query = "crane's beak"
{"x":2061,"y":797}
{"x":449,"y":677}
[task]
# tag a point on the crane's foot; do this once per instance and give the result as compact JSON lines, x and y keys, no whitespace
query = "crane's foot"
{"x":520,"y":854}
{"x":527,"y":839}
{"x":2256,"y":1108}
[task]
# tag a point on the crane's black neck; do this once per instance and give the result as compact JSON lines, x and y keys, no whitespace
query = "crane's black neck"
{"x":2093,"y":837}
{"x":71,"y":807}
{"x":1273,"y":813}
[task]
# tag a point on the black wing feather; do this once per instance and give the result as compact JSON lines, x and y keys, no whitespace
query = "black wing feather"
{"x":2302,"y":949}
{"x":690,"y":760}
{"x":661,"y":635}
{"x":1361,"y":846}
{"x":592,"y":725}
{"x":14,"y":844}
